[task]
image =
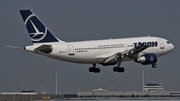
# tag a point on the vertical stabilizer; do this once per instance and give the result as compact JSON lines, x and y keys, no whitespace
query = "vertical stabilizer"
{"x":38,"y":32}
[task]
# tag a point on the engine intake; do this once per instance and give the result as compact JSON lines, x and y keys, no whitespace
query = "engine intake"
{"x":146,"y":59}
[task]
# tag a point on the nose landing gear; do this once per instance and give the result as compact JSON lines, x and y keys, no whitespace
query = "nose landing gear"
{"x":154,"y":65}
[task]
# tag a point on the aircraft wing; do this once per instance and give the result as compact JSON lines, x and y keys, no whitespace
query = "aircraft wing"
{"x":127,"y":53}
{"x":102,"y":56}
{"x":134,"y":50}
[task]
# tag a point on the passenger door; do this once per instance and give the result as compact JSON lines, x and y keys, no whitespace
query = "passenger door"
{"x":161,"y":44}
{"x":125,"y":47}
{"x":71,"y":49}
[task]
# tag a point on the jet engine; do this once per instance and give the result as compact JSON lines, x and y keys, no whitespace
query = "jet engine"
{"x":147,"y":59}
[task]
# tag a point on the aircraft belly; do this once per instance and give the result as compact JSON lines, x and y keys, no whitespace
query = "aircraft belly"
{"x":77,"y":58}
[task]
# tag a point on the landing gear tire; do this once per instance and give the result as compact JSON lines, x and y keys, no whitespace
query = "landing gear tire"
{"x":93,"y":69}
{"x":97,"y":70}
{"x":121,"y":69}
{"x":118,"y":69}
{"x":154,"y":65}
{"x":115,"y":69}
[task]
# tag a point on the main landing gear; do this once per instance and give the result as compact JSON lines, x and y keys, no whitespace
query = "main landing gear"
{"x":115,"y":69}
{"x":118,"y":68}
{"x":94,"y":69}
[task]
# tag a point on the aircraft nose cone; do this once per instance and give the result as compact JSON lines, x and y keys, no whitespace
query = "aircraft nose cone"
{"x":171,"y":47}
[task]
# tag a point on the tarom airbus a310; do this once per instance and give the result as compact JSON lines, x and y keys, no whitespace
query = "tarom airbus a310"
{"x":144,"y":50}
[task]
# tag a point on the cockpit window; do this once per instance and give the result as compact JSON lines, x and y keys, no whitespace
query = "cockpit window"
{"x":168,"y":42}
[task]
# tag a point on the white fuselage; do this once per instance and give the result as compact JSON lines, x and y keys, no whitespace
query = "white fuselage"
{"x":97,"y":51}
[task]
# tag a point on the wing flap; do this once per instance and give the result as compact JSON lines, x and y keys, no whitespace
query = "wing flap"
{"x":111,"y":58}
{"x":102,"y":56}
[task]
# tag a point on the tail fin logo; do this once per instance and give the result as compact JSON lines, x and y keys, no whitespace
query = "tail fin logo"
{"x":36,"y":34}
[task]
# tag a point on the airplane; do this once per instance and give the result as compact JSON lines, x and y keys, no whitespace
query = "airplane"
{"x":144,"y":50}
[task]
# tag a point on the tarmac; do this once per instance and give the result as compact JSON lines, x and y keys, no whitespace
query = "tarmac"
{"x":35,"y":97}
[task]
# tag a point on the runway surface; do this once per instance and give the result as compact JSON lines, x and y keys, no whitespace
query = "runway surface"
{"x":118,"y":99}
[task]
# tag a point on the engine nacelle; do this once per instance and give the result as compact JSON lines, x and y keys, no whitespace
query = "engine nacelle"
{"x":147,"y":59}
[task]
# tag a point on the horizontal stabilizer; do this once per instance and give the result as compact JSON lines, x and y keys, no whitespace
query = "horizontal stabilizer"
{"x":15,"y":47}
{"x":44,"y":48}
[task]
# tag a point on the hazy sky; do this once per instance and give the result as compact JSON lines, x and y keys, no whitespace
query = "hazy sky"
{"x":74,"y":20}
